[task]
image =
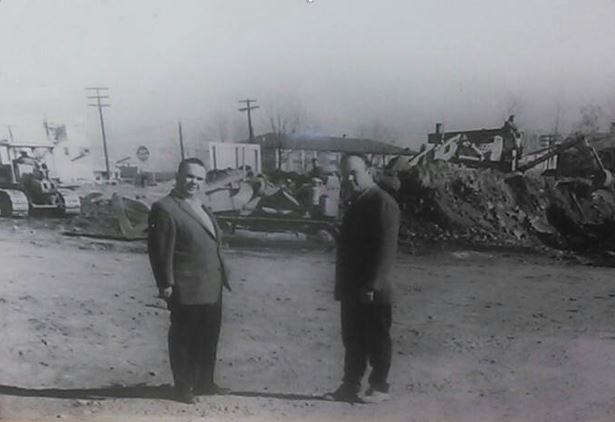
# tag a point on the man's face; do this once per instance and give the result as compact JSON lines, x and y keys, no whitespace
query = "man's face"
{"x":356,"y":175}
{"x":190,"y":179}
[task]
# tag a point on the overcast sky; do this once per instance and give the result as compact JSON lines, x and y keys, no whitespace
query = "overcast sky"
{"x":391,"y":67}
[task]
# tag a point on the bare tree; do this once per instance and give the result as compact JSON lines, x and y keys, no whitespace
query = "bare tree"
{"x":221,"y":126}
{"x":278,"y":124}
{"x":217,"y":128}
{"x":589,"y":123}
{"x":611,"y":108}
{"x":238,"y":130}
{"x":379,"y":131}
{"x":284,"y":117}
{"x":512,"y":107}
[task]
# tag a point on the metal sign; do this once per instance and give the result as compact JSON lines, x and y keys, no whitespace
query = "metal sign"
{"x":142,"y":153}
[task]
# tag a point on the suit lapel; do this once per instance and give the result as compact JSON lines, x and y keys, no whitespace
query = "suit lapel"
{"x":213,"y":222}
{"x":188,"y":209}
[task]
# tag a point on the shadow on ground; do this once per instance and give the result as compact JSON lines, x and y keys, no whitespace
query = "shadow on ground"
{"x":139,"y":391}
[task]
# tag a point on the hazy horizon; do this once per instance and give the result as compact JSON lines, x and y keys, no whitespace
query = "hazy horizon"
{"x":387,"y":70}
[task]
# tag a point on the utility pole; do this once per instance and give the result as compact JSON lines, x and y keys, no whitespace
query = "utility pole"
{"x":249,"y":108}
{"x":181,"y":142}
{"x":556,"y":130}
{"x":9,"y":127}
{"x":100,"y":106}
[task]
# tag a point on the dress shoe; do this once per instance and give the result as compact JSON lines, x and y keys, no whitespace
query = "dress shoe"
{"x":184,"y":395}
{"x":346,"y":393}
{"x":376,"y":396}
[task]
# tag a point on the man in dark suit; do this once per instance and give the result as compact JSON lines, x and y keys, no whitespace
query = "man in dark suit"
{"x":184,"y":246}
{"x":366,"y":250}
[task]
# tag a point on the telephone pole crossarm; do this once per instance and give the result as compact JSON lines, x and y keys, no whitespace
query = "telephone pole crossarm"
{"x":249,"y":109}
{"x":100,"y":106}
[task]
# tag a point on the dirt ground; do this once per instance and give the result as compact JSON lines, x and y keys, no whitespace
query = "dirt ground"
{"x":477,"y":336}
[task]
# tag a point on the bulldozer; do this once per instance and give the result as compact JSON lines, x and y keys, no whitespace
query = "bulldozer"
{"x":26,"y":188}
{"x":575,"y":157}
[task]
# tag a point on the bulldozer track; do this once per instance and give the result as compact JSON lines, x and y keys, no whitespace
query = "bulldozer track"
{"x":13,"y":203}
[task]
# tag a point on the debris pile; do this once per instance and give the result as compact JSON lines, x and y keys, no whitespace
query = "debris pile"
{"x":444,"y":201}
{"x":583,"y":217}
{"x":117,"y":217}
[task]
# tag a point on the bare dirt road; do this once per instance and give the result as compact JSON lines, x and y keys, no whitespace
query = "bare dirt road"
{"x":477,"y":337}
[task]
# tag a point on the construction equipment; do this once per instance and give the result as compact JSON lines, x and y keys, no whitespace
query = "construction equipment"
{"x":310,"y":208}
{"x":25,"y":186}
{"x":594,"y":170}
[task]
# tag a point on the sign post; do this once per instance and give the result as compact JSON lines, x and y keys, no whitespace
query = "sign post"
{"x":142,"y":153}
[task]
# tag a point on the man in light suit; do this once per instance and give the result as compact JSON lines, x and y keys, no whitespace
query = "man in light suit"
{"x":366,"y":250}
{"x":184,"y":247}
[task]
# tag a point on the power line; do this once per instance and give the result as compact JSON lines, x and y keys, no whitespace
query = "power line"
{"x":100,"y":106}
{"x":249,"y":108}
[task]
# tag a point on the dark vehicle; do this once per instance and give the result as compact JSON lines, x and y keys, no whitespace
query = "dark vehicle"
{"x":25,"y":186}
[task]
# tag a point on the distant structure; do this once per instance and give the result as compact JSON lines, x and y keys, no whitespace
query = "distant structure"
{"x":503,"y":145}
{"x":294,"y":152}
{"x":71,"y":159}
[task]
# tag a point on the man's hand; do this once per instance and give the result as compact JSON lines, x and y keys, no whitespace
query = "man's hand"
{"x":225,"y":282}
{"x":367,"y":296}
{"x":166,"y":293}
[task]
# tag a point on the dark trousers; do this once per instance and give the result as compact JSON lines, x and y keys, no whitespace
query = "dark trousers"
{"x":193,"y":344}
{"x":366,"y":336}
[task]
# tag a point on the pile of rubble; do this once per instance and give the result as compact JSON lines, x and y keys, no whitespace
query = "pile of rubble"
{"x":444,"y":201}
{"x":117,"y":217}
{"x":583,"y":217}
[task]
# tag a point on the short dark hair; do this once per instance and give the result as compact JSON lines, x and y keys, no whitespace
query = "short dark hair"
{"x":362,"y":157}
{"x":191,"y":160}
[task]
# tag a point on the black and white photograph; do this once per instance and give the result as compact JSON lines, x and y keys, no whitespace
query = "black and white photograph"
{"x":307,"y":210}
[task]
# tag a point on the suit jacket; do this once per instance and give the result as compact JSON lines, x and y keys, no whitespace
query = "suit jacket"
{"x":184,"y":254}
{"x":367,"y":246}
